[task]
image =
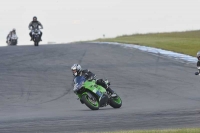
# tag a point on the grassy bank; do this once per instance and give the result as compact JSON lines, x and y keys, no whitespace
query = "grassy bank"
{"x":187,"y":42}
{"x":193,"y":130}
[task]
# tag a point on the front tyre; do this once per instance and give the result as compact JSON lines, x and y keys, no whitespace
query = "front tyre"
{"x":116,"y":102}
{"x":91,"y":103}
{"x":35,"y":43}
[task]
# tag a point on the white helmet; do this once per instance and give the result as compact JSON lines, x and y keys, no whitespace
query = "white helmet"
{"x":76,"y":69}
{"x":198,"y":55}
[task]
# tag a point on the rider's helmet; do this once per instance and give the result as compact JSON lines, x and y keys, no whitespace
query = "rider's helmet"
{"x":198,"y":55}
{"x":34,"y":18}
{"x":76,"y":69}
{"x":14,"y":30}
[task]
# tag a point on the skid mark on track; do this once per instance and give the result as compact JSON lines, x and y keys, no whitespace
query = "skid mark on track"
{"x":22,"y":92}
{"x":28,"y":93}
{"x":80,"y":61}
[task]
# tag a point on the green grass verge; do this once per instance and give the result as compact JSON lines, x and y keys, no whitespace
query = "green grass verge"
{"x":192,"y":130}
{"x":187,"y":42}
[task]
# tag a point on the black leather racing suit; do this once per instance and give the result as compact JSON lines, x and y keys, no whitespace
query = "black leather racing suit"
{"x":35,"y":25}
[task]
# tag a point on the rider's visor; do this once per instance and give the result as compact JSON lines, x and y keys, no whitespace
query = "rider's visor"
{"x":74,"y":71}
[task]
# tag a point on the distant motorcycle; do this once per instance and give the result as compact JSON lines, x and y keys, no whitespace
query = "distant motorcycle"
{"x":36,"y":36}
{"x":13,"y":40}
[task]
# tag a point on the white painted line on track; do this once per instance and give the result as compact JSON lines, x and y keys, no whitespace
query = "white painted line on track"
{"x":171,"y":54}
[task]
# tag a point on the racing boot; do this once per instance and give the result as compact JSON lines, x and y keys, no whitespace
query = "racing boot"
{"x":31,"y":37}
{"x":109,"y":89}
{"x":113,"y":94}
{"x":40,"y":37}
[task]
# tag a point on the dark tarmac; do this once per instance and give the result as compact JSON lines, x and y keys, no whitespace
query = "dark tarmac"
{"x":36,"y":92}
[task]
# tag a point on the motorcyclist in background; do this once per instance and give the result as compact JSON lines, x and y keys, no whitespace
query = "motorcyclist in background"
{"x":13,"y":33}
{"x":8,"y":38}
{"x":35,"y":25}
{"x":198,"y":63}
{"x":10,"y":35}
{"x":77,"y":71}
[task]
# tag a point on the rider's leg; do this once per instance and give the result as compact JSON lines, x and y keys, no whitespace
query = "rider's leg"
{"x":102,"y":83}
{"x":31,"y":36}
{"x":40,"y":35}
{"x":111,"y":92}
{"x":9,"y":40}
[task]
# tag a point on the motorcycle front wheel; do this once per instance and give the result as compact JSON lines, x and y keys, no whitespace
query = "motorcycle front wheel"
{"x":91,"y":103}
{"x":116,"y":102}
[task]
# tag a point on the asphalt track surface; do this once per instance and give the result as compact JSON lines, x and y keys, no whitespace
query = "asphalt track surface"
{"x":36,"y":89}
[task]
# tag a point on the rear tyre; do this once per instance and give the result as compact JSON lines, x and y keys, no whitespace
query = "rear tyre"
{"x":91,"y":103}
{"x":116,"y":102}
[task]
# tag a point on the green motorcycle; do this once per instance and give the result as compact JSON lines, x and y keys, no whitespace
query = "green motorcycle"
{"x":93,"y":95}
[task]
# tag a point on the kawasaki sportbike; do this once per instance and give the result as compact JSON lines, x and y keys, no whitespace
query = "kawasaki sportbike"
{"x":93,"y":95}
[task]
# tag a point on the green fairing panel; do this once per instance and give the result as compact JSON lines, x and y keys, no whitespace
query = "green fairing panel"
{"x":93,"y":87}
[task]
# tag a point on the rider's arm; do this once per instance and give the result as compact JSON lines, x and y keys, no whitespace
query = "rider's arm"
{"x":89,"y":75}
{"x":7,"y":36}
{"x":40,"y":24}
{"x":30,"y":25}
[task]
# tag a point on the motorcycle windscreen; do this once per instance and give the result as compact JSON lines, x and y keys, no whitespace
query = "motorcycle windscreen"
{"x":78,"y":82}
